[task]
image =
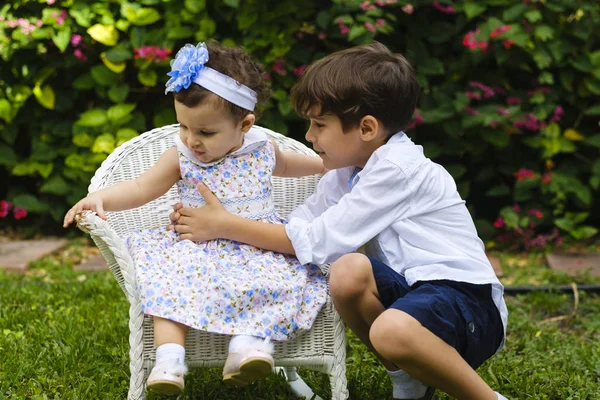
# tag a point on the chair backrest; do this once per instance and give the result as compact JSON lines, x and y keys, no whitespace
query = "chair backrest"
{"x":137,"y":155}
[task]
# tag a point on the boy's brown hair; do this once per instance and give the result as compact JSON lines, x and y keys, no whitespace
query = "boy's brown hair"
{"x":236,"y":63}
{"x":359,"y":81}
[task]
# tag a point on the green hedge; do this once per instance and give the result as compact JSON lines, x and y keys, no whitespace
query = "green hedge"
{"x":510,"y":99}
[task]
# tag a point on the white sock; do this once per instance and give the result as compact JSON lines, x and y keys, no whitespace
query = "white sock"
{"x":241,"y":343}
{"x":405,"y":386}
{"x":170,"y":352}
{"x":500,"y":397}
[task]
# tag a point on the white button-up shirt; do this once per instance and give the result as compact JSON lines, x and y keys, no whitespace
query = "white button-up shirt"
{"x":407,"y":211}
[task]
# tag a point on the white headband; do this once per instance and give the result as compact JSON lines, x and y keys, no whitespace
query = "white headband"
{"x":188,"y":66}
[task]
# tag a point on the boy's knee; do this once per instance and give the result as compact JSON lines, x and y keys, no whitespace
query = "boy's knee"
{"x":350,"y":276}
{"x":391,"y":334}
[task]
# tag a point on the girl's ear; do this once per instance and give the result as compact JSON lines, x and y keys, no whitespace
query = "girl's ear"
{"x":247,"y":122}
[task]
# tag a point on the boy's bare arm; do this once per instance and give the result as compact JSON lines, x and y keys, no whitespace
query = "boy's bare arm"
{"x":290,"y":164}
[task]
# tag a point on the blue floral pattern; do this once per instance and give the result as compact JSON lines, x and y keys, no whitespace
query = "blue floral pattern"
{"x":223,"y":286}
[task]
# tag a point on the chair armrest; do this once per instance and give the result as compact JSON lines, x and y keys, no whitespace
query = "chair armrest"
{"x":113,"y":248}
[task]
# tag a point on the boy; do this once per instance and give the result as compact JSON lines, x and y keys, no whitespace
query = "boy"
{"x":423,"y":297}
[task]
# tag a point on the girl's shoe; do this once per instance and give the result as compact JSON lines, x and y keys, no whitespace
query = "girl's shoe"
{"x":167,"y":378}
{"x":247,"y":366}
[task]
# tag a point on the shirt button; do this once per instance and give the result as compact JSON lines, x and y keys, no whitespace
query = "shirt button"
{"x":471,"y":327}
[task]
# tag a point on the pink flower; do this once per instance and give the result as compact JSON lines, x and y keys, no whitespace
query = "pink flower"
{"x":473,"y":95}
{"x":5,"y":207}
{"x":39,"y":23}
{"x":339,"y":21}
{"x":499,"y":223}
{"x":75,"y":40}
{"x":513,"y":100}
{"x":508,"y":43}
{"x":299,"y":35}
{"x":471,"y":110}
{"x":367,"y":6}
{"x":61,"y":19}
{"x":523,"y":173}
{"x":516,"y":208}
{"x":487,"y":91}
{"x":79,"y":54}
{"x":408,"y":9}
{"x":300,"y":70}
{"x":558,"y":113}
{"x":369,"y":27}
{"x":417,"y":119}
{"x":380,"y":3}
{"x":19,"y":212}
{"x":152,"y":53}
{"x":344,"y":29}
{"x":499,"y":31}
{"x":483,"y":45}
{"x":505,"y":112}
{"x":536,"y":213}
{"x":322,"y":35}
{"x":380,"y":22}
{"x":279,"y":67}
{"x":546,"y":178}
{"x":267,"y":76}
{"x":50,"y":2}
{"x":530,"y":123}
{"x":444,"y":9}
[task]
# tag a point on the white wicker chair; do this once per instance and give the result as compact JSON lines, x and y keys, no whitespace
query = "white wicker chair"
{"x":322,"y":349}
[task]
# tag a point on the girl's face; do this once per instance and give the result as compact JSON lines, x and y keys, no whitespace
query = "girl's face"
{"x":209,"y":131}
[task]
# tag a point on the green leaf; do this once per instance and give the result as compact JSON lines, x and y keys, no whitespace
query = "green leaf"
{"x":356,"y":31}
{"x":105,"y":34}
{"x":473,"y":9}
{"x":119,"y":111}
{"x":141,"y":16}
{"x":125,"y":134}
{"x":119,"y":54}
{"x":104,"y":76}
{"x":82,"y":14}
{"x":514,"y":13}
{"x":323,"y":20}
{"x":180,"y":32}
{"x":56,"y":185}
{"x":83,"y":140}
{"x":7,"y":155}
{"x":496,"y":137}
{"x":119,"y":93}
{"x":232,"y":3}
{"x":593,"y":110}
{"x":593,"y":85}
{"x":83,"y":82}
{"x":148,"y":77}
{"x":45,"y":96}
{"x":593,"y":140}
{"x":104,"y":143}
{"x":195,"y":6}
{"x":61,"y":39}
{"x":29,"y":202}
{"x":6,"y":110}
{"x":533,"y":15}
{"x":18,"y":93}
{"x":582,"y":63}
{"x":497,"y":191}
{"x":544,"y":32}
{"x":93,"y":118}
{"x":456,"y":170}
{"x":166,"y":116}
{"x":431,"y":66}
{"x":542,"y":58}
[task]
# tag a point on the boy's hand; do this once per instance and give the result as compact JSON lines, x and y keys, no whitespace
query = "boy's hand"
{"x":199,"y":224}
{"x":92,"y":202}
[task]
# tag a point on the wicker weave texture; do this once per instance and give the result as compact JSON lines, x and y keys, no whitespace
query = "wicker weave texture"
{"x":321,"y":349}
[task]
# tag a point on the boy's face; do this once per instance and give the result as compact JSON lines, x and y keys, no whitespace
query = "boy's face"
{"x":337,"y":148}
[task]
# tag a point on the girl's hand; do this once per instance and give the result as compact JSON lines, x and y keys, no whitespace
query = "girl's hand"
{"x":92,"y":202}
{"x":204,"y":223}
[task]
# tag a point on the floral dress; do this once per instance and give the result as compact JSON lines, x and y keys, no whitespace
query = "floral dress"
{"x":223,"y":286}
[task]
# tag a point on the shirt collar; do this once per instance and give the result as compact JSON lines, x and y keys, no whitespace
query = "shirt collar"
{"x":253,"y":140}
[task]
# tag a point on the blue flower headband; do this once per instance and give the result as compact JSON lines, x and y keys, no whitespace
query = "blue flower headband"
{"x":188,"y":66}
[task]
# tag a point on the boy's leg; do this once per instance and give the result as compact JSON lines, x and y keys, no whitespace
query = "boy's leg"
{"x":354,"y":294}
{"x":401,"y":338}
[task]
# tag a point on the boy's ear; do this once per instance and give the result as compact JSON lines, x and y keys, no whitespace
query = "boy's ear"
{"x":247,"y":122}
{"x":369,"y":128}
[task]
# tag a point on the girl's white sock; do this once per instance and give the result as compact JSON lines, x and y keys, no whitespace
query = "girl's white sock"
{"x":405,"y":386}
{"x":241,"y":343}
{"x":500,"y":397}
{"x":170,"y":352}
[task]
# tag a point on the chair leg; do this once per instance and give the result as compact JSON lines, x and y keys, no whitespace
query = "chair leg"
{"x":137,"y":384}
{"x":297,"y":385}
{"x":337,"y":377}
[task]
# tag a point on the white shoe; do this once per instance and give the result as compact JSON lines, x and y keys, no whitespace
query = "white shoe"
{"x":167,"y":378}
{"x":249,"y":364}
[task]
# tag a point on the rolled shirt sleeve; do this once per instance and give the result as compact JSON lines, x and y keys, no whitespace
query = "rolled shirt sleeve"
{"x":381,"y":196}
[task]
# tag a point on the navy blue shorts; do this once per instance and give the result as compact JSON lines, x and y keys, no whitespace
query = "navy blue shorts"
{"x":461,"y":314}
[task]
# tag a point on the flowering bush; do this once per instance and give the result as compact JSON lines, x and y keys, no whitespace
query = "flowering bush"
{"x":509,"y":98}
{"x":17,"y":212}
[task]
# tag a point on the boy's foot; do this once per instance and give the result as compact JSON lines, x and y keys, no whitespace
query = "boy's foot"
{"x":167,"y":378}
{"x":247,"y":366}
{"x":428,"y":395}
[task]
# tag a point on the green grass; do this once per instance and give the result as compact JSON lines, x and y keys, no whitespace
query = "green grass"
{"x":63,"y":335}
